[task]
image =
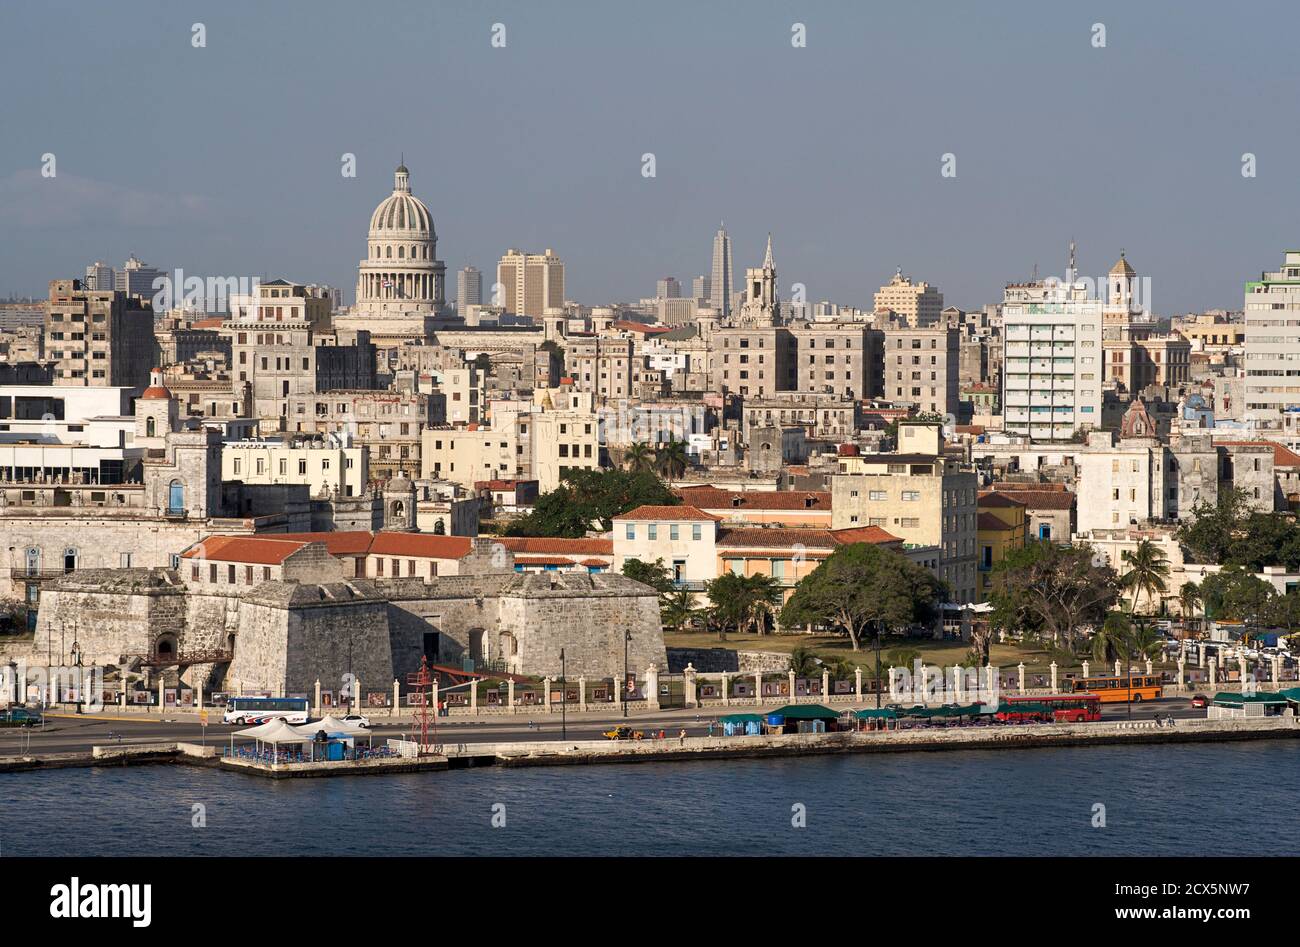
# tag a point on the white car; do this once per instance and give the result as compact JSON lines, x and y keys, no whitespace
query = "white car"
{"x":358,"y":719}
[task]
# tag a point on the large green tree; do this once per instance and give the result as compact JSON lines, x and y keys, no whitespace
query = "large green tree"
{"x":1234,"y":594}
{"x":1052,"y":589}
{"x":590,"y":499}
{"x":864,"y":590}
{"x":742,"y":601}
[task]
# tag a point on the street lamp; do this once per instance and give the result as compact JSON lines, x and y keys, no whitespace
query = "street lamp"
{"x":564,"y":701}
{"x":76,"y":659}
{"x":627,"y":640}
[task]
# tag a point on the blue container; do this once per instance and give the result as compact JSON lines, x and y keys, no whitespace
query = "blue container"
{"x":775,"y":720}
{"x":334,"y":751}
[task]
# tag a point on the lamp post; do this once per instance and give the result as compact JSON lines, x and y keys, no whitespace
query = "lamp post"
{"x":876,"y":640}
{"x":564,"y":701}
{"x":81,"y":684}
{"x":627,"y":640}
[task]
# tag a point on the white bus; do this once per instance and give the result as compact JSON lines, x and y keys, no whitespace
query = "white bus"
{"x":262,"y":709}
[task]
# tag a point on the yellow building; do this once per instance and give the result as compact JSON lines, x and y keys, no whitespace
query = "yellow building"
{"x":1002,"y":527}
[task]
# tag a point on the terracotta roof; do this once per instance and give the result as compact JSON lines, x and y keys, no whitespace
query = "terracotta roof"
{"x":350,"y":543}
{"x":669,"y":513}
{"x":543,"y":561}
{"x":214,"y":323}
{"x":1282,"y":456}
{"x":499,"y":484}
{"x":639,"y":327}
{"x":598,"y":546}
{"x":990,"y":498}
{"x":252,"y":549}
{"x":714,"y":498}
{"x":1041,"y":499}
{"x":991,"y":522}
{"x":593,"y":563}
{"x":423,"y":545}
{"x":777,"y":538}
{"x":864,"y":534}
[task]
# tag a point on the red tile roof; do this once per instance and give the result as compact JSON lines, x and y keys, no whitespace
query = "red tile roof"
{"x":991,"y":498}
{"x":421,"y":545}
{"x":543,"y":561}
{"x":757,"y":537}
{"x":865,"y":534}
{"x":251,"y":549}
{"x":682,"y":513}
{"x":349,"y":543}
{"x":1039,"y":497}
{"x":714,"y":498}
{"x":991,"y":522}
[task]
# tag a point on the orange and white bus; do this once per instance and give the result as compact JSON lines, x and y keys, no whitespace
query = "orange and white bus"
{"x":1118,"y":690}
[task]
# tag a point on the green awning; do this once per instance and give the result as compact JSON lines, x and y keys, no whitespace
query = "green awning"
{"x":1291,"y":693}
{"x":1229,"y":699}
{"x":805,"y":712}
{"x":884,"y":713}
{"x":741,"y":718}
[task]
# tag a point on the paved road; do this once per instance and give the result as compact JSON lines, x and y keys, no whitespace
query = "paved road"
{"x":72,"y":733}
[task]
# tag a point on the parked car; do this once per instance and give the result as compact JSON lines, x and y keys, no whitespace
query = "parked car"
{"x":1200,"y":700}
{"x":21,"y":717}
{"x":359,"y":719}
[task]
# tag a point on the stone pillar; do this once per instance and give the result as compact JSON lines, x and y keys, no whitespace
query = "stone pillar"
{"x":690,"y":699}
{"x":1277,"y":669}
{"x":1214,"y":672}
{"x":1149,"y":669}
{"x":510,"y":695}
{"x":582,"y":694}
{"x":956,"y":683}
{"x":990,"y":679}
{"x":826,"y":684}
{"x":122,"y":696}
{"x":790,"y":675}
{"x":356,"y":695}
{"x":161,"y":705}
{"x":1119,"y":670}
{"x":433,"y":697}
{"x":857,"y":684}
{"x":893,"y":675}
{"x":758,"y":688}
{"x":1182,"y":673}
{"x":1021,"y":669}
{"x":1241,"y":667}
{"x":1053,"y":669}
{"x":546,"y":693}
{"x":397,"y":698}
{"x":199,"y":693}
{"x":473,"y":695}
{"x":726,"y":689}
{"x":1085,"y":669}
{"x":315,"y":707}
{"x":1200,"y":656}
{"x":651,"y":687}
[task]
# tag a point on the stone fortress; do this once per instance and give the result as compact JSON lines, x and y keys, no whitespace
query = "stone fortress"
{"x":311,"y":620}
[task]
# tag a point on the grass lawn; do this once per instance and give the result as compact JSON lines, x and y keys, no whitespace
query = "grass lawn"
{"x":834,"y":647}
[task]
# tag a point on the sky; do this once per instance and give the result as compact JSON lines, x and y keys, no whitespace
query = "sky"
{"x":226,"y":159}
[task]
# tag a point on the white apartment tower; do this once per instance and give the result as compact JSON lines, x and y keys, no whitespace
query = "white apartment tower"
{"x":1272,"y":311}
{"x":1052,"y":358}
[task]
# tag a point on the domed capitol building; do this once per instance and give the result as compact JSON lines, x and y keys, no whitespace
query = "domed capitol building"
{"x":401,"y":284}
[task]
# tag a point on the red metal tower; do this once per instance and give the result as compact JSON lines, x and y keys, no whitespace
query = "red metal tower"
{"x":422,"y":682}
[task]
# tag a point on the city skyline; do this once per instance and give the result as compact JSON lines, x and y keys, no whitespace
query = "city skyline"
{"x":847,"y":213}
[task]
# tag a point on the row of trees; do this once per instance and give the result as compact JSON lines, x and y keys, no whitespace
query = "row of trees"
{"x":861,"y":591}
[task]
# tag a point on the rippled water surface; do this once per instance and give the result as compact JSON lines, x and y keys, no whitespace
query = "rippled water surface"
{"x":1212,"y":799}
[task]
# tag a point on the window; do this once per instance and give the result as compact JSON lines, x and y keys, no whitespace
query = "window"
{"x":673,"y":532}
{"x":631,"y":531}
{"x":652,"y":531}
{"x":695,"y":531}
{"x":879,"y":495}
{"x":911,"y":495}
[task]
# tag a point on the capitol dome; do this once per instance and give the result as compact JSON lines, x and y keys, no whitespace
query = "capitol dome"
{"x":401,"y":213}
{"x":401,"y":274}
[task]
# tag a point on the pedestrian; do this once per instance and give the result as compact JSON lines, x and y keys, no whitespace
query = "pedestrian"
{"x":682,"y":736}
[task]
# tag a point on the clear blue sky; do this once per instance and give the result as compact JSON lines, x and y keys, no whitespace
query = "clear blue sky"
{"x":225,"y":160}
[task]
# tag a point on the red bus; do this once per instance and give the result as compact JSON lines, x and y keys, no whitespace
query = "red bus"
{"x":1065,"y":708}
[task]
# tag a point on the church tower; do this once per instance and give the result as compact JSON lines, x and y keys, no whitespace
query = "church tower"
{"x":761,"y":307}
{"x":156,"y":413}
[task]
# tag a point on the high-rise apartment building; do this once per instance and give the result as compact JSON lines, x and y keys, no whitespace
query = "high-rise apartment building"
{"x":99,"y":276}
{"x":720,"y":282}
{"x":919,"y":304}
{"x":531,"y":283}
{"x":1272,"y":310}
{"x":469,"y":289}
{"x":1052,"y":368}
{"x":668,"y":288}
{"x":923,"y":367}
{"x":136,"y":278}
{"x":700,"y":287}
{"x":100,"y":338}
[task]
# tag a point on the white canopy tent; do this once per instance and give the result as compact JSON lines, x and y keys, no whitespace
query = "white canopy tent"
{"x":275,"y":733}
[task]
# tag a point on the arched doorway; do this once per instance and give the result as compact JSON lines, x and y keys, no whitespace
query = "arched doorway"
{"x":478,"y":647}
{"x":164,"y":647}
{"x":508,"y":648}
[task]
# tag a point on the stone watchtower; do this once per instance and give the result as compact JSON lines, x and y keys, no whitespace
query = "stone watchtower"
{"x":156,"y":413}
{"x":399,"y":503}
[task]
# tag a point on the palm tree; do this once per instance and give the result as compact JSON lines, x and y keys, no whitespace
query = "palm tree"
{"x":803,"y":662}
{"x":678,"y":609}
{"x":670,"y":459}
{"x":1189,"y":596}
{"x":1148,"y":567}
{"x":764,"y":594}
{"x":638,"y":457}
